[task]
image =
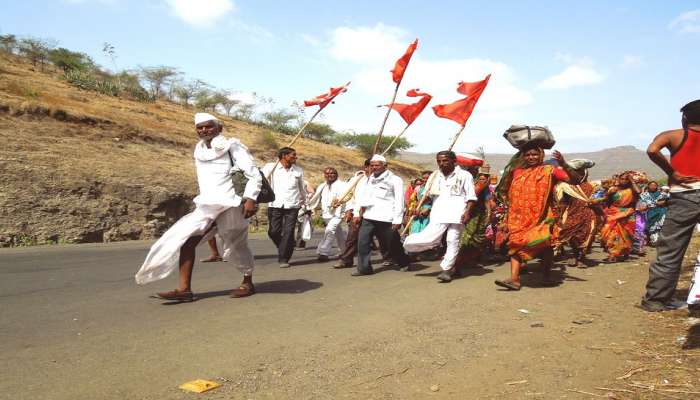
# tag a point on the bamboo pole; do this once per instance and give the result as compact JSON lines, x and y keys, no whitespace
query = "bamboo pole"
{"x":395,"y":139}
{"x":429,"y":185}
{"x":294,"y":139}
{"x":388,"y":111}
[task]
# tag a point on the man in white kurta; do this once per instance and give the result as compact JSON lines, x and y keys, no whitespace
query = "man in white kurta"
{"x":287,"y":181}
{"x":354,"y":191}
{"x":452,"y":189}
{"x":379,"y":211}
{"x":330,"y":190}
{"x":218,"y":209}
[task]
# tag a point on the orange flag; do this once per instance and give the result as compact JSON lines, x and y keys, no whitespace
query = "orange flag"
{"x":402,"y":63}
{"x":461,"y":110}
{"x":409,"y":112}
{"x":324,"y":99}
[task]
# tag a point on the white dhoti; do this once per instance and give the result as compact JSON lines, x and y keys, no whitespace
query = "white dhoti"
{"x":232,"y":228}
{"x":334,"y":232}
{"x":431,"y":236}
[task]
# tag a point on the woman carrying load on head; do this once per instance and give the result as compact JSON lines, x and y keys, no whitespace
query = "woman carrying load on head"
{"x":527,"y":189}
{"x":617,"y":235}
{"x":578,"y":219}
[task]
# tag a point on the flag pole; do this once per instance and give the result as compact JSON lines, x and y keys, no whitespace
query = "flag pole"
{"x":388,"y":111}
{"x":429,"y":185}
{"x":294,"y":139}
{"x":395,"y":139}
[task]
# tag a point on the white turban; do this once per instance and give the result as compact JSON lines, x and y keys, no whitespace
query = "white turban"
{"x":378,"y":157}
{"x":203,"y":117}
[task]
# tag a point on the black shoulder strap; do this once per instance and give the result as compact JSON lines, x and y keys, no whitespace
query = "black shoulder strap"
{"x":230,"y":157}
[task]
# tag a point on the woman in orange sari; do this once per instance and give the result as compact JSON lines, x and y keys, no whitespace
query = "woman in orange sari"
{"x":527,"y":187}
{"x":617,"y":235}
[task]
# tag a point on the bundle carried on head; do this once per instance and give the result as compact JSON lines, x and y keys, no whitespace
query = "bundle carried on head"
{"x":526,"y":136}
{"x":581,"y":163}
{"x":637,"y":176}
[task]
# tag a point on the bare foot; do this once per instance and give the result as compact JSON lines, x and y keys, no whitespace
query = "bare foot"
{"x":212,"y":258}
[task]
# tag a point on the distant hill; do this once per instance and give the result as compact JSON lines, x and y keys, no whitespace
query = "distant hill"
{"x":608,"y":161}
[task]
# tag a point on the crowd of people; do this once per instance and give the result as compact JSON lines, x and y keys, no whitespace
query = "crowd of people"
{"x":461,"y":214}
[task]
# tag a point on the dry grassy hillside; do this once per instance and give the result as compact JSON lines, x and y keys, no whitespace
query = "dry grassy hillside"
{"x":77,"y":166}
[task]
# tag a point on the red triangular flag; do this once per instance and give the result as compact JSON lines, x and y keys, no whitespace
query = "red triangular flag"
{"x":409,"y":112}
{"x":326,"y":98}
{"x":402,"y":63}
{"x":461,"y":110}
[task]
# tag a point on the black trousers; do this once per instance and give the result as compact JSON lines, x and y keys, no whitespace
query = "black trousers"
{"x":388,"y":238}
{"x":281,"y":224}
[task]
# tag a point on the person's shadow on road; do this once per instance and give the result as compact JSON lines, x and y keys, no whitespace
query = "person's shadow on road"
{"x":286,"y":286}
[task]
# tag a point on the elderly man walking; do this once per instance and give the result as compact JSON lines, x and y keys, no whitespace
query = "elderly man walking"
{"x":453,"y":190}
{"x":287,"y":181}
{"x":380,"y":211}
{"x":219,"y":209}
{"x":683,"y":170}
{"x":326,"y":196}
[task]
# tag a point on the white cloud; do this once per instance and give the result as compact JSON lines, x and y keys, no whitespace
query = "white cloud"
{"x":312,"y":40}
{"x":201,"y":13}
{"x":367,"y":45}
{"x":631,"y":61}
{"x":688,"y":22}
{"x":572,"y":76}
{"x":375,"y":49}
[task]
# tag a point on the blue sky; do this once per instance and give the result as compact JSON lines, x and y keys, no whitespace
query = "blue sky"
{"x":599,"y":73}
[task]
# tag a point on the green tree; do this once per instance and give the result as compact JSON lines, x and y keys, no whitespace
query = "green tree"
{"x":36,"y":50}
{"x":70,"y":60}
{"x":364,"y":143}
{"x":158,"y":77}
{"x":245,"y":111}
{"x":187,"y":91}
{"x":8,"y":43}
{"x":279,"y":120}
{"x":320,"y":132}
{"x":205,"y":100}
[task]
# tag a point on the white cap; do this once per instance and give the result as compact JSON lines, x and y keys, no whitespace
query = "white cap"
{"x":378,"y":157}
{"x":203,"y":117}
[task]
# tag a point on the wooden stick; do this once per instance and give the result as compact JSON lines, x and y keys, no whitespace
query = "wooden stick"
{"x":294,"y":139}
{"x":454,"y":141}
{"x":429,"y":185}
{"x":388,"y":111}
{"x":395,"y":139}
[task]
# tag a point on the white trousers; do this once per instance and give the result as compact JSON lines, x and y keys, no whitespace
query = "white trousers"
{"x":430,"y":238}
{"x":231,"y":227}
{"x":334,"y":232}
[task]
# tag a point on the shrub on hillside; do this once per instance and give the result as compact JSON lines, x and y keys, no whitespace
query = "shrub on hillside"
{"x":108,"y":85}
{"x":364,"y":143}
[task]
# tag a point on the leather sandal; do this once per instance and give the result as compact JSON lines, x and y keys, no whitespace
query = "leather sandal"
{"x":176,"y":295}
{"x":508,"y":284}
{"x":245,"y":290}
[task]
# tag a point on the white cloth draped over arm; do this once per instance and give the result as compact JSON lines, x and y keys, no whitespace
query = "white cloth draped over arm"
{"x":315,"y":200}
{"x":244,"y":161}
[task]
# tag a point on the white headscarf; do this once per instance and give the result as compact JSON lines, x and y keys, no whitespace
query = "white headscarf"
{"x":203,"y":117}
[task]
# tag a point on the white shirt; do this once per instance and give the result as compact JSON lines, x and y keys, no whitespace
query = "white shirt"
{"x":453,"y":192}
{"x":361,"y":179}
{"x":382,"y":198}
{"x":325,"y":194}
{"x":214,"y":172}
{"x":288,"y":185}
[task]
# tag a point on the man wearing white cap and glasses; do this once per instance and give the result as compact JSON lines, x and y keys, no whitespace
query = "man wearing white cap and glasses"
{"x":219,"y":209}
{"x":379,"y":211}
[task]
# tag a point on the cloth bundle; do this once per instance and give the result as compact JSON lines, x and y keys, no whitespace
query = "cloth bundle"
{"x":580,"y":163}
{"x":521,"y":136}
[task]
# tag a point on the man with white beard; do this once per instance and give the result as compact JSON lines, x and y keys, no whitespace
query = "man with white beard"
{"x":326,"y":195}
{"x":453,"y":192}
{"x":219,"y":209}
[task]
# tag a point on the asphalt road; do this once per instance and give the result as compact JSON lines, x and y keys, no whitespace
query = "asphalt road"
{"x":74,"y":325}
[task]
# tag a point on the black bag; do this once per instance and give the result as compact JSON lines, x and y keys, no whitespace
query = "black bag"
{"x":239,"y":180}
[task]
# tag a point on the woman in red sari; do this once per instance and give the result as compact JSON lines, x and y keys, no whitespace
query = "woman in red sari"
{"x":528,"y":190}
{"x":617,"y":235}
